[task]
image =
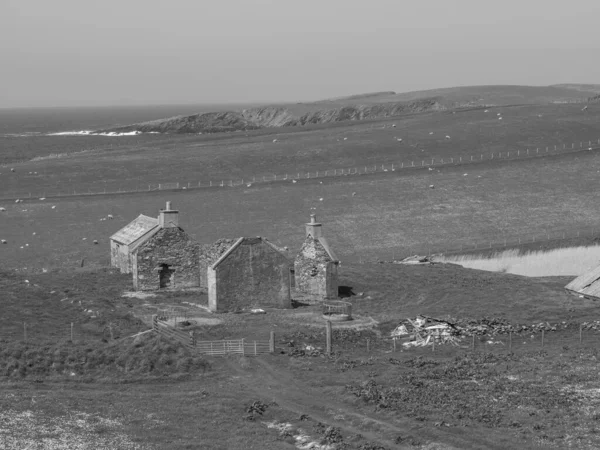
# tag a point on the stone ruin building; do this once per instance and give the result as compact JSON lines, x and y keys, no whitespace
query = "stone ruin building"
{"x":158,"y":252}
{"x":316,"y":266}
{"x":246,"y":273}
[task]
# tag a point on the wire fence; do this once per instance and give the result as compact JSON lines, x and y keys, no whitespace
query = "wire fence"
{"x":101,"y":188}
{"x":564,"y":338}
{"x":77,"y":332}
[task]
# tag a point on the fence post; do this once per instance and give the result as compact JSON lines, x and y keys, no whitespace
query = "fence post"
{"x":394,"y":340}
{"x":473,"y":343}
{"x":272,"y":342}
{"x":71,"y":331}
{"x":243,"y":348}
{"x":542,"y":338}
{"x":510,"y":341}
{"x":580,"y":334}
{"x":255,"y":352}
{"x":328,"y":337}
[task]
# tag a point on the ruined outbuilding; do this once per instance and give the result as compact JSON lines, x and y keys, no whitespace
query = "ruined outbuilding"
{"x":128,"y":238}
{"x":251,"y":273}
{"x":168,"y":259}
{"x":316,"y":266}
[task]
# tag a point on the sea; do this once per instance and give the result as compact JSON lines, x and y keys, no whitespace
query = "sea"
{"x":27,"y":133}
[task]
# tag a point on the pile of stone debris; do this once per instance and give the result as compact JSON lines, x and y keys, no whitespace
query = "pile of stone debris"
{"x":424,"y":330}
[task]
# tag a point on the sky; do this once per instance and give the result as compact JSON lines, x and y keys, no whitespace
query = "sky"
{"x":136,"y":52}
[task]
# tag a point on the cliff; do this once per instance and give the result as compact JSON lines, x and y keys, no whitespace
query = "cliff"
{"x":274,"y":117}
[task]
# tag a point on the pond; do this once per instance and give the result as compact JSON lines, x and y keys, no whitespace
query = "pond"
{"x":568,"y":261}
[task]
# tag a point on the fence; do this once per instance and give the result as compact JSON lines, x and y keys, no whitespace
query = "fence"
{"x":414,"y":164}
{"x":562,"y":340}
{"x":42,"y":332}
{"x":214,"y":348}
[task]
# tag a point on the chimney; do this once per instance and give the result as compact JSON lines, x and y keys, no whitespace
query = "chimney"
{"x":313,"y":228}
{"x":168,"y":218}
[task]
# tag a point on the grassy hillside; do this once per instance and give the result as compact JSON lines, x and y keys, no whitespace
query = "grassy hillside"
{"x":244,"y":155}
{"x":391,"y":214}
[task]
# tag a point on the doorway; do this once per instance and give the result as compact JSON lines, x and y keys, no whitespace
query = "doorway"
{"x":165,"y":276}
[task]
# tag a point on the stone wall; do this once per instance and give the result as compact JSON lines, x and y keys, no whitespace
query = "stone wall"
{"x":314,"y":270}
{"x":209,"y":254}
{"x":119,"y":257}
{"x":254,"y":274}
{"x":171,"y":247}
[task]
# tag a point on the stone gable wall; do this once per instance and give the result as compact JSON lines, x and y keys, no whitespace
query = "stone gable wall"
{"x":209,"y":254}
{"x":253,"y":275}
{"x":170,"y":246}
{"x":314,"y":271}
{"x":119,"y":257}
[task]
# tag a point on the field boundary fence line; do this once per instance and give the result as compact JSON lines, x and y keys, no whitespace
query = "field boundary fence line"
{"x":214,"y":348}
{"x":517,"y":154}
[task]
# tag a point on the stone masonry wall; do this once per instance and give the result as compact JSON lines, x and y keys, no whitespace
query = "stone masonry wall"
{"x":119,"y":257}
{"x":209,"y":254}
{"x":315,"y":273}
{"x":170,"y":246}
{"x":253,"y":275}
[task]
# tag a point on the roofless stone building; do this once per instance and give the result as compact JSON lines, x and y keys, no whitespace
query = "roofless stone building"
{"x":248,"y":273}
{"x":316,"y":266}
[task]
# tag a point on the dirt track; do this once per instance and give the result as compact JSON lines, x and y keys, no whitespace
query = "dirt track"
{"x":269,"y":381}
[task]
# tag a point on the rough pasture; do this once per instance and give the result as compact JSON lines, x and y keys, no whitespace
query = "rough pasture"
{"x":392,"y":213}
{"x":235,"y":156}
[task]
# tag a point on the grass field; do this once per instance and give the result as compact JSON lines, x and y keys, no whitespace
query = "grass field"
{"x":109,"y":390}
{"x":391,"y":215}
{"x":238,"y":156}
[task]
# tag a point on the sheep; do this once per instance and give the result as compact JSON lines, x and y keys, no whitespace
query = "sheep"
{"x":110,"y":217}
{"x":447,"y":137}
{"x":17,"y":201}
{"x":353,"y":194}
{"x":498,"y":114}
{"x":499,"y":118}
{"x":2,"y":209}
{"x":321,"y":199}
{"x":394,"y":125}
{"x":430,"y":133}
{"x":294,"y":181}
{"x":3,"y":241}
{"x":83,"y":239}
{"x":53,"y":206}
{"x":42,"y":198}
{"x":12,"y":170}
{"x":95,"y":241}
{"x":399,"y":139}
{"x":33,"y":233}
{"x":465,"y":174}
{"x":249,"y":185}
{"x":584,"y":108}
{"x":345,"y":138}
{"x":431,"y":186}
{"x":274,"y":140}
{"x":429,"y":168}
{"x":486,"y":110}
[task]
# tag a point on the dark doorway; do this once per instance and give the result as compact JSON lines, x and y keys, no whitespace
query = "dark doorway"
{"x":165,"y":276}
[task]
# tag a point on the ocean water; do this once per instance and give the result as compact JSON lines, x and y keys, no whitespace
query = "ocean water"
{"x":29,"y":132}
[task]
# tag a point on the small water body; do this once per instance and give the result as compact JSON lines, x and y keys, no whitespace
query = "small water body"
{"x":568,"y":261}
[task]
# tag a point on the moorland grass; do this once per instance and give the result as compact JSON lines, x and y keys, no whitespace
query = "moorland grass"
{"x":237,"y":156}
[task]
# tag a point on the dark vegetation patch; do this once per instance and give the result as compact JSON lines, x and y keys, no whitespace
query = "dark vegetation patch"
{"x":145,"y":356}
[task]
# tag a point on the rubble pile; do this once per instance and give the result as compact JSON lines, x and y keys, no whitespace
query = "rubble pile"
{"x":423,"y":330}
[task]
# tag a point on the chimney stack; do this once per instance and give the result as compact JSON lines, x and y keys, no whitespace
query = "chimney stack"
{"x":168,"y":218}
{"x":313,"y":228}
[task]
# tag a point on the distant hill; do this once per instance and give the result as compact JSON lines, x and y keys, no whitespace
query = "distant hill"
{"x":373,"y":105}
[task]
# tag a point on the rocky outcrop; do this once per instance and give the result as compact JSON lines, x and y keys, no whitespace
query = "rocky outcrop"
{"x":275,"y":117}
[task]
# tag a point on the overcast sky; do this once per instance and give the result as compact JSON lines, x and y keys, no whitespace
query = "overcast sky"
{"x":125,"y":52}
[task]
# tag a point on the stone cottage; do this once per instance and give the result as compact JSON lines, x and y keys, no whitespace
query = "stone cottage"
{"x":316,"y":266}
{"x":168,"y":259}
{"x":250,"y":272}
{"x":128,"y":238}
